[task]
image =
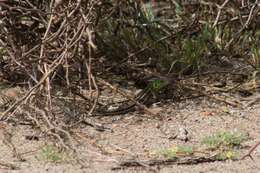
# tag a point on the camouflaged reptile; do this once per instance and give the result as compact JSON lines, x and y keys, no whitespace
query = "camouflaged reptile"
{"x":145,"y":97}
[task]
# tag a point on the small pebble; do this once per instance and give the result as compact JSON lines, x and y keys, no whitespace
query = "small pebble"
{"x":183,"y":134}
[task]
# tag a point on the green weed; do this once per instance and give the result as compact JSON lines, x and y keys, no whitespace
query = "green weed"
{"x":177,"y":151}
{"x":224,"y":155}
{"x":148,"y":12}
{"x":50,"y":153}
{"x":122,"y":35}
{"x":255,"y":52}
{"x":224,"y":140}
{"x":157,"y":84}
{"x":2,"y":52}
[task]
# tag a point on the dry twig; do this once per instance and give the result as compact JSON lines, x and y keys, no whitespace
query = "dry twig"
{"x":250,"y":151}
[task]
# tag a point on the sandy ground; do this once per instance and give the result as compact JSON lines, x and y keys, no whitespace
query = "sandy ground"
{"x":139,"y":136}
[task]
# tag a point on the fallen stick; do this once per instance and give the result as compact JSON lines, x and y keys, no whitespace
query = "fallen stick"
{"x":9,"y":165}
{"x":165,"y":162}
{"x":210,"y":95}
{"x":250,"y":151}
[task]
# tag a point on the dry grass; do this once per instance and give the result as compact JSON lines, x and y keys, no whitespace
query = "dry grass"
{"x":51,"y":48}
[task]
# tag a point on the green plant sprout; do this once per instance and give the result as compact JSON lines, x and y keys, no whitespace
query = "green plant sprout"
{"x":50,"y":153}
{"x":224,"y":140}
{"x":177,"y":151}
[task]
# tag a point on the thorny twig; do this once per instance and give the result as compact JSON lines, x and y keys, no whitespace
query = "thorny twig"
{"x":59,"y":39}
{"x":250,"y":151}
{"x":219,"y":12}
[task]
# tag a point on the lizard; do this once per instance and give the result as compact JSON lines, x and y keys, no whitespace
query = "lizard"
{"x":153,"y":88}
